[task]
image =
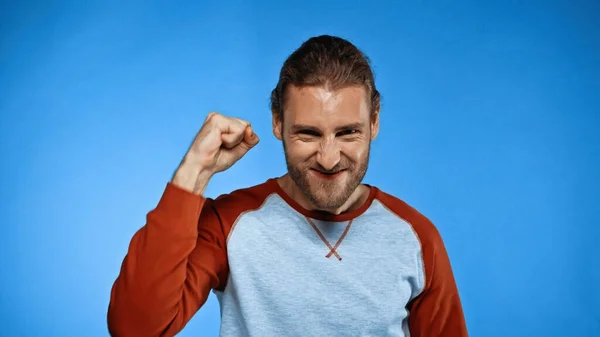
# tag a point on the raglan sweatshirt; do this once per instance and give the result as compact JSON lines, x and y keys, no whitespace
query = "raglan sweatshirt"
{"x":278,"y":269}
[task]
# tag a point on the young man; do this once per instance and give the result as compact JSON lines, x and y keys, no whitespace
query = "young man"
{"x":312,"y":253}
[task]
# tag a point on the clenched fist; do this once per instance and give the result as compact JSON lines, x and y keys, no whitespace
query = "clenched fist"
{"x":219,"y":144}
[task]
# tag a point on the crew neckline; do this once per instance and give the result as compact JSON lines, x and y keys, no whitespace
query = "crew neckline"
{"x":320,"y":215}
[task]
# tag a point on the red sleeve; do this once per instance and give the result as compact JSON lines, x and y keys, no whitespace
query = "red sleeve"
{"x":437,"y":311}
{"x":171,"y":266}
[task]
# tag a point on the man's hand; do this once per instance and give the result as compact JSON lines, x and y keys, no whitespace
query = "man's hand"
{"x":219,"y":144}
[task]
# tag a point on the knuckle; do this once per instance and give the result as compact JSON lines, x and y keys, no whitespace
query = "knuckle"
{"x":236,"y":124}
{"x":239,"y":121}
{"x":212,"y":116}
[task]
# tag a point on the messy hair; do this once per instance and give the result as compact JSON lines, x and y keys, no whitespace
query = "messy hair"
{"x":328,"y":61}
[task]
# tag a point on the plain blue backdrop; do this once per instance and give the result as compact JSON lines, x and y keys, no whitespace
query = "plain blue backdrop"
{"x":490,"y":127}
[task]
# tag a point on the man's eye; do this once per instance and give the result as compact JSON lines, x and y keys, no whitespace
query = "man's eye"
{"x":348,"y":132}
{"x":308,"y":132}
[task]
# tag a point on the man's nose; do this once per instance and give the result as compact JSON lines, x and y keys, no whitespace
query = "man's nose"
{"x":329,"y":154}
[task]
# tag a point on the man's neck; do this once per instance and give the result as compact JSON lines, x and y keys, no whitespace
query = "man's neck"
{"x":357,"y":198}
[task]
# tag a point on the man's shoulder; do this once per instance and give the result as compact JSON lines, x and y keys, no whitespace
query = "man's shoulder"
{"x":423,"y":227}
{"x":244,"y":199}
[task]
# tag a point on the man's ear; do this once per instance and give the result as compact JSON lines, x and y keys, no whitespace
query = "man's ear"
{"x":374,"y":124}
{"x":277,"y":125}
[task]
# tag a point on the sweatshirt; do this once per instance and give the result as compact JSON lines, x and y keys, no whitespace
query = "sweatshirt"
{"x":278,"y":269}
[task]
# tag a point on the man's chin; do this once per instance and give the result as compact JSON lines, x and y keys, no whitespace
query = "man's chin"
{"x":327,"y":200}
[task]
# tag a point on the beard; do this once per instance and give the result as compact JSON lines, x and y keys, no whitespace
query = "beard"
{"x":327,"y":194}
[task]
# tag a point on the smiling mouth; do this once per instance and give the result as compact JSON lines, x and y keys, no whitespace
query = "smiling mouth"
{"x":328,"y":175}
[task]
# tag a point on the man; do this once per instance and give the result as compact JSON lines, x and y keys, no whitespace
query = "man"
{"x":312,"y":253}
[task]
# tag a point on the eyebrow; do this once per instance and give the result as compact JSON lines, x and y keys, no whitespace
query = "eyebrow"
{"x":351,"y":126}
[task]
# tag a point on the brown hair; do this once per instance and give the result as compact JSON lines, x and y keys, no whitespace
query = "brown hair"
{"x":328,"y":61}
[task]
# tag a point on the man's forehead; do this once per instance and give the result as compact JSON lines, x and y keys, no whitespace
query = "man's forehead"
{"x":314,"y":104}
{"x":326,"y":93}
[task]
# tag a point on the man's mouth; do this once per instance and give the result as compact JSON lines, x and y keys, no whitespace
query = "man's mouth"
{"x":328,"y":174}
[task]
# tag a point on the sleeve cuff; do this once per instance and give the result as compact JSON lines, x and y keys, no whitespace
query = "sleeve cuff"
{"x":179,"y":209}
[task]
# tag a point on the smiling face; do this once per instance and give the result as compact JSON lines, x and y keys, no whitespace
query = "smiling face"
{"x":326,"y":137}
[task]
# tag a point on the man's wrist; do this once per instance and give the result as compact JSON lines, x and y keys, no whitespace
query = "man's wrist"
{"x":192,"y":178}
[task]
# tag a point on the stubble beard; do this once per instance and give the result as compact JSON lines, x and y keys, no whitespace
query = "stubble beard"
{"x":327,"y":195}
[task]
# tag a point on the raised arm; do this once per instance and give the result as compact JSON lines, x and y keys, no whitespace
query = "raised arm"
{"x":179,"y":255}
{"x":172,"y":264}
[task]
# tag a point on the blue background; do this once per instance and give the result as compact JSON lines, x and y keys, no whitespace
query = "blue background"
{"x":490,"y":127}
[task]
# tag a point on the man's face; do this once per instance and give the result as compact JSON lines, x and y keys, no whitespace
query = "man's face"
{"x":326,"y":137}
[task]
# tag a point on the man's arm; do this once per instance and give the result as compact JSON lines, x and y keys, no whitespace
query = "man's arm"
{"x":180,"y":254}
{"x":437,"y":311}
{"x":172,"y":264}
